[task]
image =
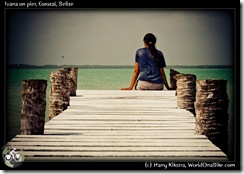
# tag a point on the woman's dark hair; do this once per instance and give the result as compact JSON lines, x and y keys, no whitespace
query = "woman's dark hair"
{"x":150,"y":40}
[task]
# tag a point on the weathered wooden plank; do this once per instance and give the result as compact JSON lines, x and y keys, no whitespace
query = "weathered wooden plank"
{"x":165,"y":133}
{"x":155,"y":112}
{"x":123,"y":154}
{"x":118,"y":136}
{"x":110,"y":123}
{"x":114,"y":92}
{"x":119,"y":118}
{"x":127,"y":99}
{"x":115,"y":122}
{"x":133,"y":132}
{"x":97,"y":124}
{"x":124,"y":113}
{"x":75,"y":105}
{"x":115,"y":143}
{"x":129,"y":140}
{"x":172,"y":159}
{"x":120,"y":98}
{"x":116,"y":149}
{"x":116,"y":127}
{"x":86,"y":108}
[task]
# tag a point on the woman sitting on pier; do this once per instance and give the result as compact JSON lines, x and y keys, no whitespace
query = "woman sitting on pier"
{"x":149,"y":64}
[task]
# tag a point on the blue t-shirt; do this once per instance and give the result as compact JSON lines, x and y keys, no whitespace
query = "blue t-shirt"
{"x":149,"y":71}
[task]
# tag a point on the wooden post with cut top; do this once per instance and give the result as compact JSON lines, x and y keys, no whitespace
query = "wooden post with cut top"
{"x":33,"y":107}
{"x":74,"y":76}
{"x":172,"y":73}
{"x":63,"y":85}
{"x":186,"y":91}
{"x":211,"y":107}
{"x":59,"y":96}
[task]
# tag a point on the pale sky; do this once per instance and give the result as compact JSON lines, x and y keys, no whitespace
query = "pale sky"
{"x":111,"y":37}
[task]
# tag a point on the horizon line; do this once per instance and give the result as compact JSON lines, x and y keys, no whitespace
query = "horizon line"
{"x":16,"y":64}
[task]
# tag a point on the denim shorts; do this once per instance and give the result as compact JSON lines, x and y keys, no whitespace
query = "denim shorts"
{"x":145,"y":85}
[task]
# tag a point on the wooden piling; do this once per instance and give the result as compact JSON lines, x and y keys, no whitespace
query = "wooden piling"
{"x":33,"y":107}
{"x":172,"y":73}
{"x":63,"y":85}
{"x":66,"y":85}
{"x":59,"y":96}
{"x":74,"y":76}
{"x":186,"y":91}
{"x":211,"y":108}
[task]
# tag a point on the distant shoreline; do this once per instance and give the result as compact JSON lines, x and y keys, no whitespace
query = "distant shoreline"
{"x":23,"y":66}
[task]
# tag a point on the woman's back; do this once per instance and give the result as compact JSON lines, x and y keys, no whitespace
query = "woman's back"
{"x":149,"y":68}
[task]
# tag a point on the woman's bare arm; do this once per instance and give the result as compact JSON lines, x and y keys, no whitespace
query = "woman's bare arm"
{"x":165,"y":79}
{"x":134,"y":77}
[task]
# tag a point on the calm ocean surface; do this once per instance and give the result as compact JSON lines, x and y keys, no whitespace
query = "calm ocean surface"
{"x":99,"y":79}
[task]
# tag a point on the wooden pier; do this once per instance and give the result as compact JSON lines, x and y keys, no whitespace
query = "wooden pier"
{"x":117,"y":125}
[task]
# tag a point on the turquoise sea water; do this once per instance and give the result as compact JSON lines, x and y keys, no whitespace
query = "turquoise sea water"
{"x":98,"y":79}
